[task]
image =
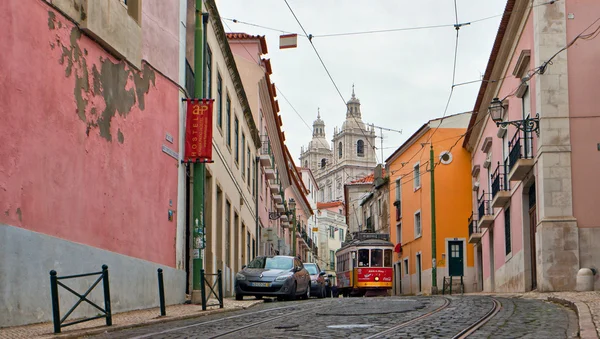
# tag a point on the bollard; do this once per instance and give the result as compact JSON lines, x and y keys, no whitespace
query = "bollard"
{"x":220,"y":287}
{"x":161,"y":293}
{"x":55,"y":303}
{"x":106,"y":295}
{"x":203,"y":289}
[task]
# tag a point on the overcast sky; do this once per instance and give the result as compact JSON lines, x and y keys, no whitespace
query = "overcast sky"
{"x":402,"y":78}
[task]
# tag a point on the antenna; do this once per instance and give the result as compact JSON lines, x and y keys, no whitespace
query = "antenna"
{"x":381,"y":136}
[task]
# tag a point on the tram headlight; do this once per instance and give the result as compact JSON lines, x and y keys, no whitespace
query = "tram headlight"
{"x":376,"y":278}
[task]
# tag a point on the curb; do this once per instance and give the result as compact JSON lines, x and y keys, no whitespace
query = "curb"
{"x":587,"y":328}
{"x":105,"y":329}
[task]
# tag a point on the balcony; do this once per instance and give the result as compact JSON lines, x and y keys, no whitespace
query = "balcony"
{"x":485,"y":211}
{"x":280,"y":207}
{"x":520,"y":156}
{"x":500,"y":187}
{"x":285,"y":223}
{"x":283,"y":217}
{"x":277,"y":198}
{"x":270,"y":173}
{"x":274,"y":186}
{"x":266,"y":155}
{"x":474,"y":231}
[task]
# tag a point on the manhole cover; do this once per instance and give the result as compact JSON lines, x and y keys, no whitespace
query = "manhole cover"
{"x":350,"y":326}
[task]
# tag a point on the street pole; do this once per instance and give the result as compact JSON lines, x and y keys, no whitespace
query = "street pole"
{"x":257,"y":243}
{"x":433,"y":237}
{"x":199,"y":170}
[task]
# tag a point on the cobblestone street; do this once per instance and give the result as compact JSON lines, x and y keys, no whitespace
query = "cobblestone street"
{"x":392,"y":317}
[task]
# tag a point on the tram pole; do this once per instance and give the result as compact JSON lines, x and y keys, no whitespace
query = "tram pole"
{"x":433,"y":236}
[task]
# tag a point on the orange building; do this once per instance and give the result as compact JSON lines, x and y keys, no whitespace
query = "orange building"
{"x":410,"y":207}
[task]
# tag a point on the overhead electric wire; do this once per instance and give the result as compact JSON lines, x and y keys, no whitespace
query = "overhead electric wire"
{"x":330,"y":77}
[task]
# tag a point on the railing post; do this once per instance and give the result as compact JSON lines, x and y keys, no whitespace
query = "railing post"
{"x":55,"y":303}
{"x":203,"y":289}
{"x":450,"y":285}
{"x":161,"y":293}
{"x":220,"y":283}
{"x":106,"y":295}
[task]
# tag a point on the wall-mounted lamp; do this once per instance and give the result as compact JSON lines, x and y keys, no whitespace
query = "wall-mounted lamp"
{"x":496,"y":111}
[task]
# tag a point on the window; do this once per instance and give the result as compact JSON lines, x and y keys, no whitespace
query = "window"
{"x":243,"y":157}
{"x":254,"y":178}
{"x":399,"y":233}
{"x":417,"y":176}
{"x":376,"y":258}
{"x":323,"y":163}
{"x":208,"y":74}
{"x":306,"y":163}
{"x":363,"y":258}
{"x":228,"y":121}
{"x":322,"y":194}
{"x":507,"y":243}
{"x":220,"y":101}
{"x":379,"y":206}
{"x":417,"y":224}
{"x":398,"y":192}
{"x":387,"y":258}
{"x":236,"y":130}
{"x":332,"y":260}
{"x":340,"y":150}
{"x":248,"y":168}
{"x":331,"y":232}
{"x":406,"y":266}
{"x":360,"y":148}
{"x":227,"y":231}
{"x":341,"y":235}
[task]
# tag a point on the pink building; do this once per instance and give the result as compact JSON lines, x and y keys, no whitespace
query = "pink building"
{"x":90,"y":107}
{"x":535,"y":221}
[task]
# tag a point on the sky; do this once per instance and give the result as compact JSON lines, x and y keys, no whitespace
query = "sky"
{"x":402,"y":78}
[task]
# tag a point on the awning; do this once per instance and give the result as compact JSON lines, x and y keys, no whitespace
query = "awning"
{"x":398,"y":248}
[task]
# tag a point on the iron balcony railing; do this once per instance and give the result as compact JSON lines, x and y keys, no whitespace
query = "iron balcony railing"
{"x":520,"y":147}
{"x":473,"y":228}
{"x":265,"y":148}
{"x":499,"y":180}
{"x":485,"y":207}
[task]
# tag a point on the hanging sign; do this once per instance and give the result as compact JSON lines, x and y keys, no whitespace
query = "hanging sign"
{"x":288,"y":41}
{"x":198,"y":130}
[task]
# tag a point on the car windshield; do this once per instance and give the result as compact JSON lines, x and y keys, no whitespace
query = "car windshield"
{"x":312,"y":269}
{"x":279,"y":263}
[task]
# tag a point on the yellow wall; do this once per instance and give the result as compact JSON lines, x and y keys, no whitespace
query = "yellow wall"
{"x":453,"y":198}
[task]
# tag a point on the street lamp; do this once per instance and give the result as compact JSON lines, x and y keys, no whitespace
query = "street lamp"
{"x":496,"y":111}
{"x":292,"y":204}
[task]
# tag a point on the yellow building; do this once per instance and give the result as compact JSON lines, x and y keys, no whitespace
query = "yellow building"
{"x":410,"y":207}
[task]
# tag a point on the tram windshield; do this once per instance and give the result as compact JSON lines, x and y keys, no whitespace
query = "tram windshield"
{"x":363,"y":258}
{"x":376,"y":258}
{"x":387,"y":258}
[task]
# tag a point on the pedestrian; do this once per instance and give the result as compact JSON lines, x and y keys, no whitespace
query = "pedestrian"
{"x":334,"y":291}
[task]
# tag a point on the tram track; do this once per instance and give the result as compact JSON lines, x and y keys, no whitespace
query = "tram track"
{"x":482,"y":321}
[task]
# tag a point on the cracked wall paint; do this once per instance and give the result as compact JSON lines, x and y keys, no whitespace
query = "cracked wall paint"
{"x":117,"y":85}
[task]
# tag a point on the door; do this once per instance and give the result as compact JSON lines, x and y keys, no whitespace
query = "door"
{"x":532,"y":228}
{"x":455,"y":264}
{"x":419,"y":271}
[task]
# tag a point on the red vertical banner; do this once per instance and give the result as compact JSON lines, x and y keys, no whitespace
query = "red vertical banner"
{"x":198,"y":130}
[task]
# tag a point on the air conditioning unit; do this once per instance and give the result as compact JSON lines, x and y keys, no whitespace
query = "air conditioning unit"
{"x":488,"y":161}
{"x":476,"y":186}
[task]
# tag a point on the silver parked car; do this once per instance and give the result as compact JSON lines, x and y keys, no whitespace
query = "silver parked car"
{"x":280,"y":276}
{"x":317,"y":280}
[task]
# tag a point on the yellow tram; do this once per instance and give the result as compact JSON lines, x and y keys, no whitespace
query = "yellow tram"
{"x":364,"y":265}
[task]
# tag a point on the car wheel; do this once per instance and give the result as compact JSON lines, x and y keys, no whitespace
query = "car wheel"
{"x":239,"y":297}
{"x":307,"y":294}
{"x":292,"y":295}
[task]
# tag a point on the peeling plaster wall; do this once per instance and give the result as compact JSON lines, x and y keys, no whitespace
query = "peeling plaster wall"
{"x":81,"y":139}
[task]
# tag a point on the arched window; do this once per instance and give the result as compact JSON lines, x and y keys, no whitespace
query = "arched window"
{"x":323,"y":163}
{"x":306,"y":163}
{"x":340,"y":150}
{"x":360,"y":148}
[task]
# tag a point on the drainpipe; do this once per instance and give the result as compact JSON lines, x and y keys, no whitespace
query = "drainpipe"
{"x":433,"y":236}
{"x":257,"y":244}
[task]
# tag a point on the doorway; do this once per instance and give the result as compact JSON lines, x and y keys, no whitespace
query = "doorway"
{"x":532,"y":231}
{"x":419,"y":272}
{"x":398,"y":279}
{"x":456,"y":262}
{"x":492,"y":268}
{"x":479,"y":268}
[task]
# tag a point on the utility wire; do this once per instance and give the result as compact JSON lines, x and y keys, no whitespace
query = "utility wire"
{"x":331,"y":78}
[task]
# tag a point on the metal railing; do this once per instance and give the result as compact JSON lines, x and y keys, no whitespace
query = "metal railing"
{"x":473,"y":228}
{"x":55,"y":282}
{"x":499,"y":180}
{"x":520,"y":147}
{"x":484,"y":205}
{"x":218,"y":284}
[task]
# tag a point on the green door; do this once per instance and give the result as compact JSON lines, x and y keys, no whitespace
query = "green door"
{"x":456,"y":266}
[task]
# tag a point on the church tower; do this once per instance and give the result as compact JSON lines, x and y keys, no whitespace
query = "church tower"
{"x":351,"y":156}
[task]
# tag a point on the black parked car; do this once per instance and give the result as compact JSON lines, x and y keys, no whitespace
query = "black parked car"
{"x":281,"y":276}
{"x":317,"y":280}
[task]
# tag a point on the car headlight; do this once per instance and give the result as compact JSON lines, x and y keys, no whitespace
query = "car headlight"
{"x":240,"y":276}
{"x":284,"y":277}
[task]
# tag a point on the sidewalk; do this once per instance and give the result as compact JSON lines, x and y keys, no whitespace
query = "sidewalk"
{"x":124,"y":320}
{"x":585,"y":304}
